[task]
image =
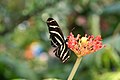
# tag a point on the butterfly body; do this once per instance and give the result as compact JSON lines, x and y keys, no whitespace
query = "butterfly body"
{"x":57,"y":40}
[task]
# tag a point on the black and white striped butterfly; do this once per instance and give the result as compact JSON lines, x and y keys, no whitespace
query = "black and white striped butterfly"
{"x":57,"y":40}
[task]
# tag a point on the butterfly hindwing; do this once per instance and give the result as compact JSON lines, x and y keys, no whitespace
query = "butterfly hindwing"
{"x":57,"y":40}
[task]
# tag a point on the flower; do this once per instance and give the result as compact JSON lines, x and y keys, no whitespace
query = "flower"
{"x":84,"y":45}
{"x":33,"y":50}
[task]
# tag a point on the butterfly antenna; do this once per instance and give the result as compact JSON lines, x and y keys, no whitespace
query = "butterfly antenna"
{"x":72,"y":29}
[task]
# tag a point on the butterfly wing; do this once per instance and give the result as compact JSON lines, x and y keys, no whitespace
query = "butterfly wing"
{"x":57,"y":40}
{"x":56,"y":34}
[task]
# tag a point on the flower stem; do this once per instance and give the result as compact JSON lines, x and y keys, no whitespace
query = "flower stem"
{"x":78,"y":60}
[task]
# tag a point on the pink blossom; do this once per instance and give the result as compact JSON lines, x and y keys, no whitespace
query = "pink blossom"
{"x":84,"y":45}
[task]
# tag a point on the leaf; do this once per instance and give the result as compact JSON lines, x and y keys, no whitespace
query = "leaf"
{"x":112,"y":9}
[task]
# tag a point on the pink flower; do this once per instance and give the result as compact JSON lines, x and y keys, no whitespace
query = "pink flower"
{"x":84,"y":45}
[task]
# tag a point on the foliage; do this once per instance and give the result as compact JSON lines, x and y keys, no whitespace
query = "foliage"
{"x":23,"y":25}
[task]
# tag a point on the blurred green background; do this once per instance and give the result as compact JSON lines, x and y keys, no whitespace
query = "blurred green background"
{"x":25,"y":50}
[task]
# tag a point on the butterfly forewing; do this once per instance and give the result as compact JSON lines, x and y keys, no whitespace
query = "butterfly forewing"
{"x":57,"y":40}
{"x":56,"y":34}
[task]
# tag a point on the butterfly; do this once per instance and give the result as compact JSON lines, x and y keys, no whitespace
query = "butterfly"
{"x":57,"y":40}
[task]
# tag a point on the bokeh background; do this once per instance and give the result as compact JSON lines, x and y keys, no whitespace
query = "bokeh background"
{"x":25,"y":50}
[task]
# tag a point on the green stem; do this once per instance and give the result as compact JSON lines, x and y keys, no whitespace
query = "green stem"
{"x":78,"y":60}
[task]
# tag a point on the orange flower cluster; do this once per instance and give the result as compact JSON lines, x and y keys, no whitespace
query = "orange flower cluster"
{"x":84,"y":45}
